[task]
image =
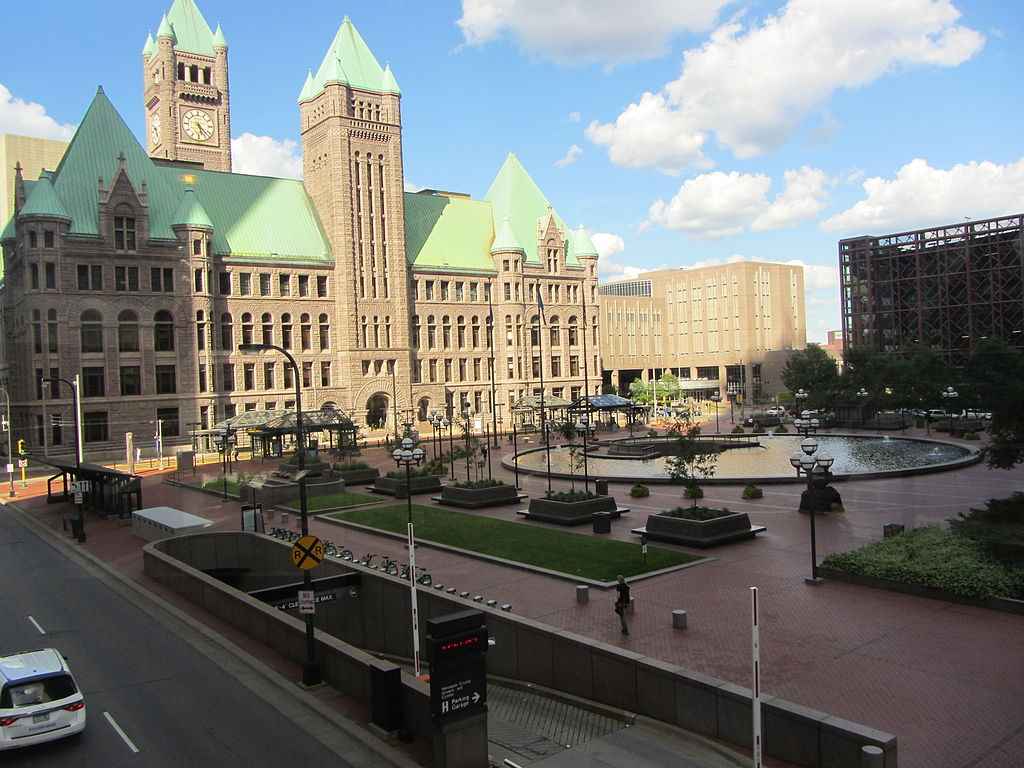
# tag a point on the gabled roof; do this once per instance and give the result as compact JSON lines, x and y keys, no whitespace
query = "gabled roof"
{"x":191,"y":32}
{"x":516,"y":197}
{"x":44,"y":201}
{"x":444,"y":232}
{"x":190,"y":212}
{"x":252,"y":216}
{"x":350,"y":61}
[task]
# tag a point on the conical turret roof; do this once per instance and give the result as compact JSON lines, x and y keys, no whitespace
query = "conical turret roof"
{"x":350,"y":61}
{"x":219,"y":41}
{"x":582,"y":244}
{"x":44,"y":200}
{"x":150,"y":47}
{"x":190,"y":212}
{"x":190,"y":30}
{"x":505,"y":240}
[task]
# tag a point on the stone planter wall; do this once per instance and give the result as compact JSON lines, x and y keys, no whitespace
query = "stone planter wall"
{"x":700,"y":533}
{"x":285,"y":493}
{"x":358,"y":476}
{"x":479,"y":497}
{"x":397,"y":488}
{"x":571,"y":512}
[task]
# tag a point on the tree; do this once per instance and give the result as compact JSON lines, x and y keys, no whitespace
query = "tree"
{"x":668,"y":387}
{"x":812,"y":370}
{"x":639,"y":391}
{"x":995,"y":381}
{"x":693,"y":460}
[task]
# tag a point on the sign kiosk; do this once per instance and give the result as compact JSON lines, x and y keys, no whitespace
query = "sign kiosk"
{"x":457,"y":647}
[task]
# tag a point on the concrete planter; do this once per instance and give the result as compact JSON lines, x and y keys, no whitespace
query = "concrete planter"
{"x":358,"y":476}
{"x":285,"y":494}
{"x":397,"y":488}
{"x":571,"y":512}
{"x":701,"y":533}
{"x":475,"y":498}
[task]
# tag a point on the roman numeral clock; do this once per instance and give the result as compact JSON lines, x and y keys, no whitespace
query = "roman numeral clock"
{"x":198,"y":124}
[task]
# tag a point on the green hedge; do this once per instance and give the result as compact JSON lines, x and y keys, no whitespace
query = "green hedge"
{"x":476,"y":484}
{"x":933,"y":557}
{"x":752,"y":492}
{"x":569,"y":495}
{"x":639,"y":491}
{"x":701,"y":514}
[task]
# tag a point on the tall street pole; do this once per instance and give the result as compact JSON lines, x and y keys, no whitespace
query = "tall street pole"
{"x":540,"y":346}
{"x":490,"y":346}
{"x":10,"y":429}
{"x":586,"y":392}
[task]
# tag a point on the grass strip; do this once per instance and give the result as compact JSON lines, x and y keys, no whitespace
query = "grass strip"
{"x":570,"y":553}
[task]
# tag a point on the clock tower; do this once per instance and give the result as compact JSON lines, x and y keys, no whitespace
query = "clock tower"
{"x":185,"y":75}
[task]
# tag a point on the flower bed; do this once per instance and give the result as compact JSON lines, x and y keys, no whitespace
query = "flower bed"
{"x":571,"y":512}
{"x":700,"y":526}
{"x":479,"y":493}
{"x":397,"y":487}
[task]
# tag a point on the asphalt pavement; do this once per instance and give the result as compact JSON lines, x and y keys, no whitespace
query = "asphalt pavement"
{"x":152,"y":698}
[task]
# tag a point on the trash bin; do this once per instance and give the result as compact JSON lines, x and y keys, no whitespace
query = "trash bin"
{"x":602,"y":522}
{"x":601,"y":486}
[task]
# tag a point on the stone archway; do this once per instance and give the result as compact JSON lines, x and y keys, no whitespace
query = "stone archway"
{"x":377,"y":407}
{"x":423,"y":409}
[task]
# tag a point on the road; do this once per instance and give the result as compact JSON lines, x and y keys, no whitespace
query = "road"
{"x":170,"y":702}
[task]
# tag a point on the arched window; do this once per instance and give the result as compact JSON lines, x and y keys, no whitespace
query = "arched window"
{"x":431,"y":332}
{"x":325,"y":331}
{"x":200,"y":330}
{"x":286,"y":330}
{"x":246,"y":328}
{"x":534,"y":331}
{"x":446,"y":331}
{"x":363,"y":324}
{"x":127,"y":331}
{"x":415,"y":332}
{"x":92,"y":331}
{"x":519,"y":330}
{"x":509,"y":338}
{"x":267,"y":323}
{"x":51,"y":329}
{"x":163,"y":331}
{"x":574,"y":337}
{"x":490,"y":331}
{"x":387,"y":332}
{"x":594,"y":330}
{"x":227,"y":335}
{"x":556,"y":331}
{"x":305,"y":332}
{"x":376,"y":332}
{"x":461,"y":332}
{"x":475,"y":335}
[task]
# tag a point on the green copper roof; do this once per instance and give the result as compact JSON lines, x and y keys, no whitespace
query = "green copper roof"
{"x":444,"y":232}
{"x":219,"y":41}
{"x":150,"y":47}
{"x":505,"y":240}
{"x":582,"y":244}
{"x":252,"y":216}
{"x":390,"y":84}
{"x":516,"y":197}
{"x":307,"y":88}
{"x":190,"y":212}
{"x":44,"y":201}
{"x":350,"y":61}
{"x":191,"y":32}
{"x":164,"y":30}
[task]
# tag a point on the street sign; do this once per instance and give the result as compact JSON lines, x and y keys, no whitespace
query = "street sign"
{"x":22,"y":463}
{"x":457,"y":646}
{"x":307,"y":553}
{"x":10,"y":467}
{"x":292,"y":604}
{"x":306,"y":601}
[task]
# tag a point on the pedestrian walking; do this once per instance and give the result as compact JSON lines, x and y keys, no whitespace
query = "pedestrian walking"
{"x":622,"y":602}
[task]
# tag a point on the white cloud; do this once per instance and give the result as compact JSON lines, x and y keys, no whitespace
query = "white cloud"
{"x":266,"y":156}
{"x":410,"y":187}
{"x":574,"y":117}
{"x":607,"y":244}
{"x":573,"y":31}
{"x":571,"y":156}
{"x":920,"y":196}
{"x":27,"y":118}
{"x":721,"y":204}
{"x":753,"y":86}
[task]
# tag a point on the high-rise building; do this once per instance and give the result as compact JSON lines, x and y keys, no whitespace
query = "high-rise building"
{"x":34,"y":155}
{"x":945,"y":288}
{"x":143,"y":269}
{"x":728,"y":328}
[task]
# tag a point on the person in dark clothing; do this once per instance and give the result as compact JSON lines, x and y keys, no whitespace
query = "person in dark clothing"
{"x":622,"y":602}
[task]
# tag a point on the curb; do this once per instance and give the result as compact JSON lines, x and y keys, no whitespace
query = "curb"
{"x":153,"y":605}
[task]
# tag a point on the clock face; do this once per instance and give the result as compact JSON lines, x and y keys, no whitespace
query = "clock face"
{"x":197,"y":124}
{"x":154,"y":129}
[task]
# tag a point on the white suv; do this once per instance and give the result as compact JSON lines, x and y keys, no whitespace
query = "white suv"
{"x":39,"y":699}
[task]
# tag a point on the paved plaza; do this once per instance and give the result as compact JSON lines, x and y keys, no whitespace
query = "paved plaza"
{"x":946,"y":679}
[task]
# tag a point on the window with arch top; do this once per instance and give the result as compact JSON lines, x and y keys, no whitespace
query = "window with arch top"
{"x":163,"y":331}
{"x":92,"y":331}
{"x":267,"y":328}
{"x":286,"y":330}
{"x":227,"y":335}
{"x":555,"y":330}
{"x":573,"y":331}
{"x":325,"y":331}
{"x":246,"y":328}
{"x":127,"y":331}
{"x":305,"y":332}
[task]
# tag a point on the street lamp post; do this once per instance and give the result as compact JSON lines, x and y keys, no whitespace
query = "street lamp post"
{"x":862,"y":395}
{"x":73,"y":384}
{"x":467,"y":426}
{"x":583,"y":425}
{"x":812,"y":465}
{"x":311,"y":668}
{"x":406,"y":456}
{"x":515,"y":451}
{"x":10,"y":429}
{"x":716,"y":398}
{"x":949,"y":395}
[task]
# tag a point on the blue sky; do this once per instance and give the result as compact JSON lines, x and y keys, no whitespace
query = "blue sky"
{"x":705,"y":131}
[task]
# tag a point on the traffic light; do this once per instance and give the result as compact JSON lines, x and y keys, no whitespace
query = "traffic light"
{"x":21,"y":446}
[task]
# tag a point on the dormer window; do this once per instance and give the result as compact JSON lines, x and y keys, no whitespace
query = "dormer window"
{"x":124,"y":233}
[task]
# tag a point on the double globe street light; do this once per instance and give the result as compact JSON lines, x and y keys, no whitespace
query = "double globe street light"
{"x":816,"y":467}
{"x":407,"y":455}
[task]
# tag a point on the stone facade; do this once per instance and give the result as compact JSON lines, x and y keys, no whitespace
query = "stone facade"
{"x":727,"y":328}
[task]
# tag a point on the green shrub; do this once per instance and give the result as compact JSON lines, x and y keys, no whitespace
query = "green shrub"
{"x":781,"y":429}
{"x":639,"y":491}
{"x":696,"y":513}
{"x":919,"y":423}
{"x":932,"y":557}
{"x":431,"y":468}
{"x":999,"y":527}
{"x":970,"y":435}
{"x":694,"y":492}
{"x":477,"y":484}
{"x":570,"y":496}
{"x":738,"y":430}
{"x":652,"y":433}
{"x":752,"y":492}
{"x":351,"y":465}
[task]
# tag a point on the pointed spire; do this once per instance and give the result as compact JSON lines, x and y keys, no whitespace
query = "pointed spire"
{"x":350,"y":61}
{"x":389,"y":84}
{"x":150,"y":47}
{"x":191,"y":213}
{"x":43,"y":201}
{"x":219,"y":40}
{"x":164,"y":30}
{"x":307,"y":91}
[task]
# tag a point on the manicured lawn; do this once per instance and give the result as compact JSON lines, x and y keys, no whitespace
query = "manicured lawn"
{"x":336,"y":500}
{"x":217,"y":484}
{"x":571,"y":553}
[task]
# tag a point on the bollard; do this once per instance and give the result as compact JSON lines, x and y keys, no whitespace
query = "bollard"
{"x":582,"y":594}
{"x":679,"y":619}
{"x":872,"y":757}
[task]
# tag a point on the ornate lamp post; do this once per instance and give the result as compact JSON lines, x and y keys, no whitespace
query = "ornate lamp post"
{"x":949,"y":395}
{"x":716,"y":398}
{"x":406,"y":456}
{"x":813,"y":466}
{"x":801,"y":396}
{"x":583,"y":425}
{"x":467,"y":428}
{"x":862,"y":395}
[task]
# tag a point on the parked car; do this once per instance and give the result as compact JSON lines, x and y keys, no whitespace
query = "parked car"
{"x":776,"y":410}
{"x":39,"y":699}
{"x":937,"y":413}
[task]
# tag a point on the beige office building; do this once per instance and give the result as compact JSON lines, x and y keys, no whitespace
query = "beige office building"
{"x":727,"y":328}
{"x":33,"y":154}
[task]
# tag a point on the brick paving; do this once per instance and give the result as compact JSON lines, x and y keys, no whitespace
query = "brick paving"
{"x":946,"y":679}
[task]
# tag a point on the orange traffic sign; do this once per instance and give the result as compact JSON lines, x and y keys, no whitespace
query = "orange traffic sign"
{"x":307,"y":553}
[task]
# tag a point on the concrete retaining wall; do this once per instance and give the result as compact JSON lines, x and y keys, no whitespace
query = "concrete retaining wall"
{"x":376,"y":620}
